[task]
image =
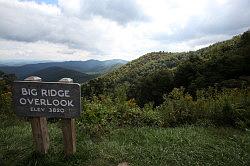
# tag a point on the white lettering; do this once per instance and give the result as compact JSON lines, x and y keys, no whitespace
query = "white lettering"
{"x":70,"y":103}
{"x":55,"y":102}
{"x":60,"y":93}
{"x":37,"y":102}
{"x":54,"y":110}
{"x":30,"y":101}
{"x":53,"y":92}
{"x":67,"y":93}
{"x":63,"y":103}
{"x":33,"y":92}
{"x":43,"y":101}
{"x":48,"y":102}
{"x":62,"y":110}
{"x":22,"y":101}
{"x":24,"y":91}
{"x":44,"y":92}
{"x":29,"y":92}
{"x":32,"y":109}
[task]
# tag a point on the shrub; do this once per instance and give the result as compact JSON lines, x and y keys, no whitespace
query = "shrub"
{"x":228,"y":107}
{"x":178,"y":108}
{"x":6,"y":103}
{"x":232,"y":108}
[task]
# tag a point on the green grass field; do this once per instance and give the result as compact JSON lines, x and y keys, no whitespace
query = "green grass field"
{"x":138,"y":146}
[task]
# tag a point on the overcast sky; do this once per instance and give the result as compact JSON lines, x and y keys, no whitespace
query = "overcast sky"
{"x":115,"y":29}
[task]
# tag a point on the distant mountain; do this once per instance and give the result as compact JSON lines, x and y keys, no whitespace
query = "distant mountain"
{"x":89,"y":67}
{"x":53,"y":74}
{"x":2,"y":65}
{"x":18,"y":62}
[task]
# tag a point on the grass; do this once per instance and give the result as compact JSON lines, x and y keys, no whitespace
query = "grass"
{"x":188,"y":145}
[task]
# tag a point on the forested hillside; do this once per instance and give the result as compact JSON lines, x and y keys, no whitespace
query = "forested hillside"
{"x":148,"y":78}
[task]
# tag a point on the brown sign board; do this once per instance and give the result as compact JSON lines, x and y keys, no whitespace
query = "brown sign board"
{"x":47,"y":99}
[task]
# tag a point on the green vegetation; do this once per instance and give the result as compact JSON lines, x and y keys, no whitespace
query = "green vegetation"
{"x":137,"y":146}
{"x":161,"y":109}
{"x":6,"y":107}
{"x":224,"y":64}
{"x":229,"y":107}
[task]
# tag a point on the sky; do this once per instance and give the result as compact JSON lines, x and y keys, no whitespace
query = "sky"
{"x":62,"y":30}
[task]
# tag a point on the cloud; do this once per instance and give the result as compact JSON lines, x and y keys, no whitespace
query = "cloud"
{"x":39,"y":50}
{"x":120,"y":11}
{"x":31,"y":22}
{"x":107,"y":29}
{"x":26,"y":21}
{"x":216,"y":19}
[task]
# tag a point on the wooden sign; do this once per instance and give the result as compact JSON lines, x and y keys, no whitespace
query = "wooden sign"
{"x":46,"y":99}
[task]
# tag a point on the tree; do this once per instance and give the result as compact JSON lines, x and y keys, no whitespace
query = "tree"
{"x":152,"y":88}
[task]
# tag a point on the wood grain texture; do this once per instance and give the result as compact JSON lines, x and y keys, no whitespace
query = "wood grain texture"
{"x":39,"y":127}
{"x":69,"y":129}
{"x":69,"y":136}
{"x":40,"y":134}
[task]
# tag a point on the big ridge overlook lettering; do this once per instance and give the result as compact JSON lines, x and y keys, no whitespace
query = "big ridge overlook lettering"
{"x":47,"y":99}
{"x":44,"y":93}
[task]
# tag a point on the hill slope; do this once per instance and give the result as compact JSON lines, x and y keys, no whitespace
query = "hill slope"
{"x":154,"y":74}
{"x":53,"y":74}
{"x":155,"y":61}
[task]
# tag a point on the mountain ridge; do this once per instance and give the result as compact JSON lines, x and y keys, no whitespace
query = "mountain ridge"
{"x":153,"y":61}
{"x":154,"y":74}
{"x":54,"y":74}
{"x":90,"y":67}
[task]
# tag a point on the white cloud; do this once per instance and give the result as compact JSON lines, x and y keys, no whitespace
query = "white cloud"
{"x":40,"y":50}
{"x":126,"y":29}
{"x":121,"y":11}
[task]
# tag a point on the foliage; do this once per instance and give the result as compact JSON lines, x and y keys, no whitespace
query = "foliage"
{"x":223,"y":64}
{"x":5,"y":82}
{"x":152,"y":87}
{"x":134,"y":73}
{"x":104,"y":112}
{"x":6,"y":101}
{"x":211,"y":107}
{"x":173,"y":89}
{"x":216,"y":64}
{"x":229,"y":107}
{"x":178,"y":109}
{"x":6,"y":107}
{"x":94,"y":87}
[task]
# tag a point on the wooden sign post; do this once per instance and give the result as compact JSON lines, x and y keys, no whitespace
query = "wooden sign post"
{"x":39,"y":128}
{"x":68,"y":129}
{"x":41,"y":100}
